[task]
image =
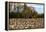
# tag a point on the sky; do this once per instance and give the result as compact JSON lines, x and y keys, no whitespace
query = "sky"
{"x":37,"y":7}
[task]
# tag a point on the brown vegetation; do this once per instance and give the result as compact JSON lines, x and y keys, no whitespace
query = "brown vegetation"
{"x":26,"y":23}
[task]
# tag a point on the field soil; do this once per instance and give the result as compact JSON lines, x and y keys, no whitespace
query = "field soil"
{"x":21,"y":23}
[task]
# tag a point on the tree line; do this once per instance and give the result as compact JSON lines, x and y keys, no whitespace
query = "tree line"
{"x":26,"y":13}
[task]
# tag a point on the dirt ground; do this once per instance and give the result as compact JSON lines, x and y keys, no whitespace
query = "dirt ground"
{"x":21,"y":23}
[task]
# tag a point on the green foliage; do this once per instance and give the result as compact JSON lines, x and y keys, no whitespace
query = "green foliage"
{"x":40,"y":16}
{"x":26,"y":13}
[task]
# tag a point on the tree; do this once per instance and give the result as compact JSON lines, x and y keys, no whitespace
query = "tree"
{"x":28,"y":12}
